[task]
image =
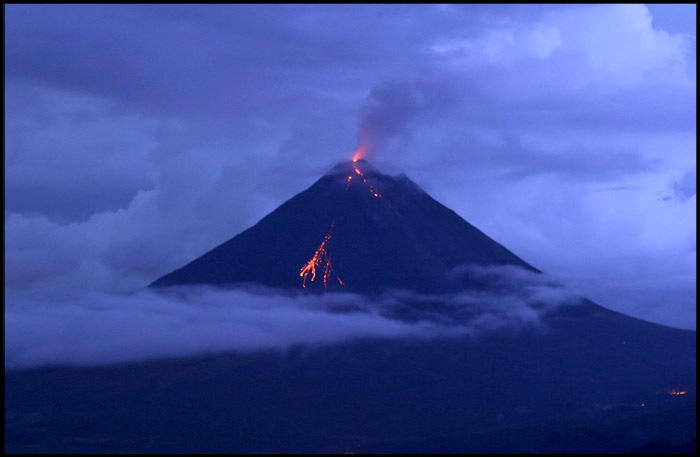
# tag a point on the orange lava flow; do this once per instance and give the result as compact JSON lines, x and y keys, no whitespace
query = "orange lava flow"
{"x":677,"y":392}
{"x":320,"y":260}
{"x":364,"y":179}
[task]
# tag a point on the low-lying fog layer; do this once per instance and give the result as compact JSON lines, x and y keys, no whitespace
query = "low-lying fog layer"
{"x":92,"y":328}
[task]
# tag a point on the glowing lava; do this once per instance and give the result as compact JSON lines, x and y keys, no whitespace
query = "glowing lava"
{"x":321,"y":260}
{"x":364,"y":179}
{"x":677,"y":392}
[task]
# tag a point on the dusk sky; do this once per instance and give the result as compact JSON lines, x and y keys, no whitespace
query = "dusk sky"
{"x":139,"y":137}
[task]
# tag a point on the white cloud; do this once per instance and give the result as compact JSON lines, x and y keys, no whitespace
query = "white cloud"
{"x":501,"y":45}
{"x":99,"y":329}
{"x":609,"y":45}
{"x":621,"y":46}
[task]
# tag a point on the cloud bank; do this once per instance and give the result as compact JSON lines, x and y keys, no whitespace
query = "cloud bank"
{"x":100,"y":329}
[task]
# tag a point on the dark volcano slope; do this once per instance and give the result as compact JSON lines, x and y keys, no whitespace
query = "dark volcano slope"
{"x":599,"y":384}
{"x":402,"y":239}
{"x":585,"y":380}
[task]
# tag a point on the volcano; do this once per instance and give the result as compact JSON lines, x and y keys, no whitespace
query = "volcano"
{"x":356,"y":230}
{"x":583,"y":379}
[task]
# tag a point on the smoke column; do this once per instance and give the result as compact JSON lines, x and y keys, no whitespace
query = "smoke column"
{"x":386,"y":114}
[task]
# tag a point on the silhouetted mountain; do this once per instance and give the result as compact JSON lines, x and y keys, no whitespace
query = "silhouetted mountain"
{"x":382,"y":232}
{"x":585,"y":379}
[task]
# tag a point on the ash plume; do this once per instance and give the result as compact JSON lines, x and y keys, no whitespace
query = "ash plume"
{"x":391,"y":109}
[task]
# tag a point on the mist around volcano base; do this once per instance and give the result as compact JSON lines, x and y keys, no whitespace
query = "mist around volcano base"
{"x":92,"y":328}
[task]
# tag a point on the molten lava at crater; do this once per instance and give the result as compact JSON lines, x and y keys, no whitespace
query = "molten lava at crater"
{"x":360,"y":153}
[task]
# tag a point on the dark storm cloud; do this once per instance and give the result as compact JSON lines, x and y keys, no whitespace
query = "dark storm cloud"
{"x":69,"y":156}
{"x":686,"y":187}
{"x":207,"y":60}
{"x":140,"y":136}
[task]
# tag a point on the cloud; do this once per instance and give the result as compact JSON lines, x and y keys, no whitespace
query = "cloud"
{"x":81,"y":157}
{"x":538,"y":41}
{"x":639,"y":53}
{"x":98,"y":329}
{"x":669,"y":298}
{"x":602,"y":44}
{"x":686,"y":187}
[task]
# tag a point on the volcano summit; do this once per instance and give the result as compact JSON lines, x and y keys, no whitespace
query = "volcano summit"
{"x":356,"y":230}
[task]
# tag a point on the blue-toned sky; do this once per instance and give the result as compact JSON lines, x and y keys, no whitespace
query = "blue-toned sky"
{"x":139,"y":137}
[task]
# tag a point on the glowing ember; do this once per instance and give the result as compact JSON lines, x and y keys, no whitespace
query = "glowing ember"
{"x":320,"y":260}
{"x":364,"y":179}
{"x":677,"y":392}
{"x":360,"y":153}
